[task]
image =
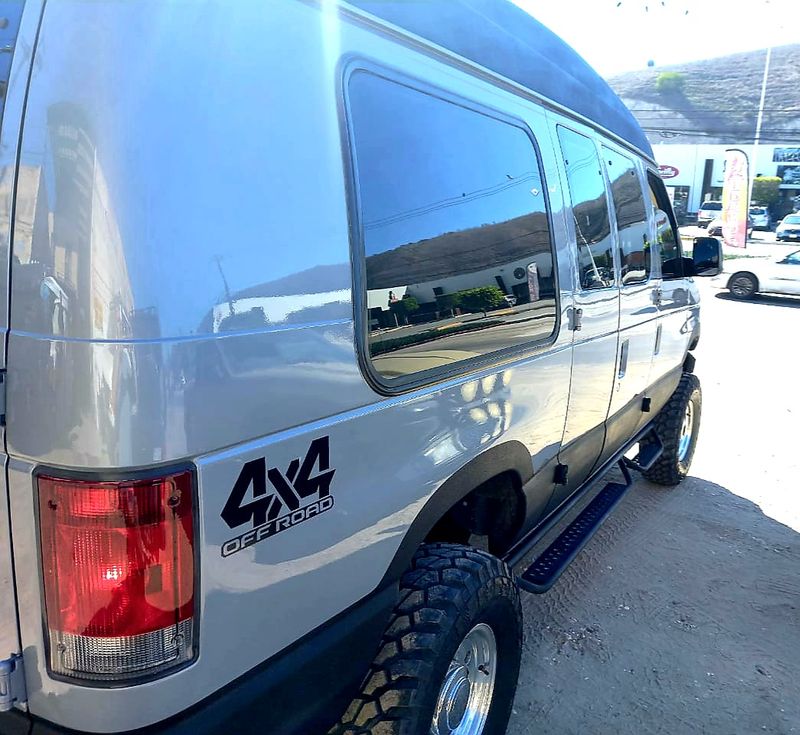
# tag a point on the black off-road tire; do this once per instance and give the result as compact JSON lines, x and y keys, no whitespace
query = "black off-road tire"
{"x":669,"y":468}
{"x":447,"y":591}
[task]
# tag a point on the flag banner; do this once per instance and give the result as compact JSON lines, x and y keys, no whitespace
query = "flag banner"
{"x":734,"y":198}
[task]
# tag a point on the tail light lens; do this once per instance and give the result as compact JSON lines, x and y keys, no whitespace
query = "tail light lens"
{"x":118,"y":563}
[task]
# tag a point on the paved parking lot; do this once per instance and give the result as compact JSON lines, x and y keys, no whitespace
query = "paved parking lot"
{"x":682,"y":615}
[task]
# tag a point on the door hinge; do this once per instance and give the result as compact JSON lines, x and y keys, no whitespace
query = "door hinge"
{"x":561,"y":474}
{"x":577,"y":320}
{"x":657,"y":296}
{"x":12,"y":683}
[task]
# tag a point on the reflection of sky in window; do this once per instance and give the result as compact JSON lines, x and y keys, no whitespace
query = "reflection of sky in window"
{"x":427,"y":166}
{"x":583,"y":167}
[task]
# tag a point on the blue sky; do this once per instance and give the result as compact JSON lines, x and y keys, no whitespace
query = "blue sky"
{"x":615,"y":37}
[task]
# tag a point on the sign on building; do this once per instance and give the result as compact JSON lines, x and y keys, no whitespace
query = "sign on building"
{"x":786,"y":155}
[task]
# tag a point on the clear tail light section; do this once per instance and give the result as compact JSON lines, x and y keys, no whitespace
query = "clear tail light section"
{"x":118,"y":567}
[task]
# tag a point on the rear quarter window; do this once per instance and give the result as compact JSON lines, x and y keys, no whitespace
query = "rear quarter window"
{"x":453,"y":230}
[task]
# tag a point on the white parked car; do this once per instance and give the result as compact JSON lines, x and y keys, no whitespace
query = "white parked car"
{"x":760,"y":218}
{"x":781,"y":276}
{"x":788,"y":228}
{"x":708,"y":212}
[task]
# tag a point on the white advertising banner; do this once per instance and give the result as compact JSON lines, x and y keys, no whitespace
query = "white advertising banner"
{"x":735,"y":193}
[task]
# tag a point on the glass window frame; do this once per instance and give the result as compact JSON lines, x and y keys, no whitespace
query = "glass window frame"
{"x":644,"y":187}
{"x":494,"y":359}
{"x":567,"y":193}
{"x":661,"y":190}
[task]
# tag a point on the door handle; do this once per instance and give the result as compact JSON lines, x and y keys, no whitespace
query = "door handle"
{"x":623,"y":359}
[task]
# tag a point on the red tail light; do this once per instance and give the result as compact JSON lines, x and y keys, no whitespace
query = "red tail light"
{"x":118,"y":563}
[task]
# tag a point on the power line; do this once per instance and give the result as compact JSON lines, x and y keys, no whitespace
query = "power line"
{"x":720,"y":109}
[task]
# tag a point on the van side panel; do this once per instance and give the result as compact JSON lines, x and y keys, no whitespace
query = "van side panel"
{"x":186,"y":281}
{"x":195,"y":303}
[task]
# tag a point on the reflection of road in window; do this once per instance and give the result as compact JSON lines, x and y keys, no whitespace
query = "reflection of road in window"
{"x":459,"y":259}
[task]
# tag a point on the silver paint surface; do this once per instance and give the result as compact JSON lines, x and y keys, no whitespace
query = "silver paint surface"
{"x":12,"y":109}
{"x":181,"y":290}
{"x":184,"y":292}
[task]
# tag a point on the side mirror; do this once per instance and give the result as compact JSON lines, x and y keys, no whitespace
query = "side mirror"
{"x":706,"y":257}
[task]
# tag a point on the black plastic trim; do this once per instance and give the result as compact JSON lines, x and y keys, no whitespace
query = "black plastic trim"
{"x":511,"y":456}
{"x":521,"y":548}
{"x":545,"y":570}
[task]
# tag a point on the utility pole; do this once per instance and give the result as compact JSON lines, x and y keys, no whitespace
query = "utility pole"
{"x":759,"y":120}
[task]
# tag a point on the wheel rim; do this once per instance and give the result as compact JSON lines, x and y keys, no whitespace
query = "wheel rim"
{"x":466,"y":694}
{"x":742,"y":286}
{"x":685,"y":440}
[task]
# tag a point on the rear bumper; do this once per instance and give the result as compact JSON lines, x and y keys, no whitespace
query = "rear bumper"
{"x":302,"y":691}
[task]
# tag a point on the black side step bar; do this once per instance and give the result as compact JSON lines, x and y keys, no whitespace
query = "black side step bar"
{"x":648,"y":454}
{"x":549,"y":565}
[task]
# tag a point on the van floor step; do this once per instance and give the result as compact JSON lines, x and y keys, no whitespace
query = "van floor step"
{"x":648,"y":454}
{"x":548,"y":566}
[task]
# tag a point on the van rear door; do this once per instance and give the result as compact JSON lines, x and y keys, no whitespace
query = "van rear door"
{"x":18,"y":25}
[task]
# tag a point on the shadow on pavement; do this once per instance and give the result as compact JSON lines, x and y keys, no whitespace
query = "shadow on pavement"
{"x":680,"y":616}
{"x":763,"y":299}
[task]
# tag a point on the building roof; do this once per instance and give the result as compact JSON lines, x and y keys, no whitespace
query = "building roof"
{"x":503,"y":38}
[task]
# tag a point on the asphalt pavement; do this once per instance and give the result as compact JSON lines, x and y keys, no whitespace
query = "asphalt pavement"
{"x":682,"y":615}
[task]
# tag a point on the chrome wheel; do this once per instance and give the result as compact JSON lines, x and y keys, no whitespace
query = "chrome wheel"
{"x":687,"y":427}
{"x":466,"y":695}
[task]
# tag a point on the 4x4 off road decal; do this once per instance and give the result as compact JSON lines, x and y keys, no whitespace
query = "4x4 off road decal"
{"x":296,"y":496}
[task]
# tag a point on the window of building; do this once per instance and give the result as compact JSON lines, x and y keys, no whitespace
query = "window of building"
{"x":632,"y":225}
{"x":668,"y":242}
{"x":456,"y":236}
{"x":587,"y":190}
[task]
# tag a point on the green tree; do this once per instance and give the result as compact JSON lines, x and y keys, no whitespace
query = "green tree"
{"x":407,"y":305}
{"x":766,"y":190}
{"x":670,"y":82}
{"x":448,"y":302}
{"x":482,"y":299}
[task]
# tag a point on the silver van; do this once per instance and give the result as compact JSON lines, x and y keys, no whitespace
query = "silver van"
{"x":318,"y":317}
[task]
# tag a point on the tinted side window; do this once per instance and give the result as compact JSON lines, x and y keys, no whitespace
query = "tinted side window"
{"x":668,"y":243}
{"x":587,"y":190}
{"x":632,"y":225}
{"x":456,"y":236}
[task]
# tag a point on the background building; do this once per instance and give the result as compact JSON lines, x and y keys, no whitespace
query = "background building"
{"x":694,"y":173}
{"x":693,"y":112}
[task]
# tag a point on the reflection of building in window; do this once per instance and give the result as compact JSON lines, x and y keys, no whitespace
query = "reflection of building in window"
{"x":459,"y":258}
{"x":436,"y":270}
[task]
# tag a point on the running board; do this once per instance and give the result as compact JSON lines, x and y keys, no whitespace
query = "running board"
{"x":542,"y":574}
{"x":648,"y":455}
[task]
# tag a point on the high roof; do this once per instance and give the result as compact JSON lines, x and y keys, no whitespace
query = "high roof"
{"x":503,"y":38}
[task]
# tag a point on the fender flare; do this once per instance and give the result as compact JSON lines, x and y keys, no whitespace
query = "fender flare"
{"x":511,"y":456}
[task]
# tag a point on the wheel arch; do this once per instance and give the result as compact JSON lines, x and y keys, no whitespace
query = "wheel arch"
{"x":509,"y":462}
